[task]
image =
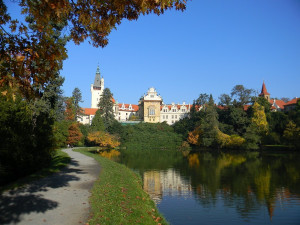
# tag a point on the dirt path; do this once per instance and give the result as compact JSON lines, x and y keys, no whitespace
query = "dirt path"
{"x":61,"y":198}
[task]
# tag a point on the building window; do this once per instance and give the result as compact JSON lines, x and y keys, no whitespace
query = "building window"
{"x":151,"y":111}
{"x":175,"y":116}
{"x":183,"y":110}
{"x":174,"y":110}
{"x":172,"y":116}
{"x":166,"y":116}
{"x":172,"y":121}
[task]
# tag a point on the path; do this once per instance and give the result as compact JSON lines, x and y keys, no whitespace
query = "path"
{"x":61,"y":198}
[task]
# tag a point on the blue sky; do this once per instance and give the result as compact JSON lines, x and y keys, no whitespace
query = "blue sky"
{"x":209,"y":48}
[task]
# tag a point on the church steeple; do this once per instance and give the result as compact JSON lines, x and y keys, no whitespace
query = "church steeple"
{"x":97,"y":82}
{"x":264,"y":93}
{"x":97,"y":89}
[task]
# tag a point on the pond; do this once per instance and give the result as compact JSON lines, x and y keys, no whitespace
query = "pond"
{"x":219,"y":188}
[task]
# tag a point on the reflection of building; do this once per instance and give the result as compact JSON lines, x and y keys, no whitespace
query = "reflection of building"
{"x":159,"y":183}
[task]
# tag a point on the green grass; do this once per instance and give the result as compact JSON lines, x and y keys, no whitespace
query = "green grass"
{"x":118,"y":196}
{"x":60,"y":160}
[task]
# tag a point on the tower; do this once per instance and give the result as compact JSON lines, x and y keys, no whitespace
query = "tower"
{"x":264,"y":92}
{"x":150,"y":106}
{"x":97,"y":89}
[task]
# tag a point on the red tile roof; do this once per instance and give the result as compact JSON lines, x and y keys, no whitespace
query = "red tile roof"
{"x":135,"y":108}
{"x":89,"y":111}
{"x":280,"y":103}
{"x":293,"y":101}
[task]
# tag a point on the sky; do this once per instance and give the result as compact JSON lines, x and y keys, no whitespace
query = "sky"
{"x":209,"y":48}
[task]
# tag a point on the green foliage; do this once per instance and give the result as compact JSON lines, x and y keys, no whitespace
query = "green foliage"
{"x":60,"y":131}
{"x":149,"y":136}
{"x":98,"y":122}
{"x":252,"y":137}
{"x":26,"y":137}
{"x":292,"y":134}
{"x":210,"y":126}
{"x":241,"y":96}
{"x":77,"y":98}
{"x":106,"y":108}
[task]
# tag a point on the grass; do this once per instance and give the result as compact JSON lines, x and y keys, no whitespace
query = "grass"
{"x":118,"y":196}
{"x":60,"y":160}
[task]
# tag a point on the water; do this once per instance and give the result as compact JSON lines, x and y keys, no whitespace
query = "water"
{"x":219,"y":188}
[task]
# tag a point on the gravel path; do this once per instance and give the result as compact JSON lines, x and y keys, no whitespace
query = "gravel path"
{"x":61,"y":198}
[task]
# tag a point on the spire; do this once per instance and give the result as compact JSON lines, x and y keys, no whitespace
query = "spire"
{"x":264,"y":90}
{"x":97,"y":82}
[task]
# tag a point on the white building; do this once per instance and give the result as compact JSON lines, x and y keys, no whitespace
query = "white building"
{"x":97,"y":89}
{"x":151,"y":108}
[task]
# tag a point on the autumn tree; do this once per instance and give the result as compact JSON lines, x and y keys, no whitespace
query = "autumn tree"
{"x":194,"y":137}
{"x":259,"y":119}
{"x":74,"y":134}
{"x":32,"y":52}
{"x":104,"y":139}
{"x":70,"y":109}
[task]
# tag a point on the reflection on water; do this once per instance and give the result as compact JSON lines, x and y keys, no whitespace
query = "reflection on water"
{"x":162,"y":183}
{"x":220,"y":188}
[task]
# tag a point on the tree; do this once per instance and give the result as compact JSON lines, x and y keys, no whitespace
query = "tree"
{"x":259,"y":119}
{"x":75,"y":134}
{"x":210,"y":125}
{"x":202,"y":99}
{"x":292,"y":134}
{"x":77,"y":98}
{"x":241,"y":95}
{"x":70,"y":109}
{"x":104,"y":139}
{"x":32,"y":52}
{"x":97,"y":122}
{"x":106,"y":108}
{"x":225,"y":100}
{"x":194,"y":137}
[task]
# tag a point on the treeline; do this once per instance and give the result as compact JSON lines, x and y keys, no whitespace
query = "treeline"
{"x":26,"y":129}
{"x":239,"y":121}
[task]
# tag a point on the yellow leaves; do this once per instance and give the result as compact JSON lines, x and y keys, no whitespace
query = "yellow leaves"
{"x":104,"y":139}
{"x":259,"y":118}
{"x":227,"y":141}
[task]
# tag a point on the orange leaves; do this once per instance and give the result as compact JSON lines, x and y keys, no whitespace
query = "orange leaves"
{"x":75,"y":134}
{"x":194,"y":136}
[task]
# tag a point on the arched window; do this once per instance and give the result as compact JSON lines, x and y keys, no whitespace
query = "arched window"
{"x":151,"y":111}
